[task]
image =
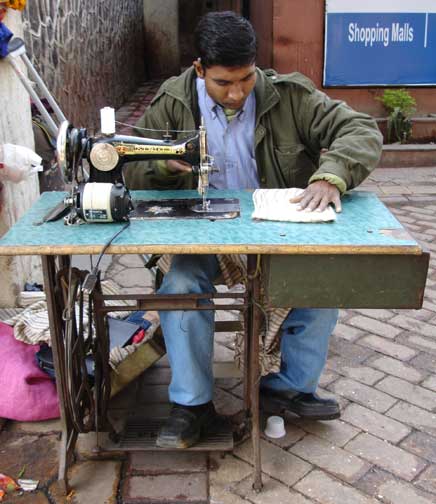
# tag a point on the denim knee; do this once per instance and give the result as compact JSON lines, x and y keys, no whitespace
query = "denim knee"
{"x":190,"y":274}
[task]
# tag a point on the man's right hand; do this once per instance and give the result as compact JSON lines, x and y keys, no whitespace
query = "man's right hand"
{"x":178,"y":167}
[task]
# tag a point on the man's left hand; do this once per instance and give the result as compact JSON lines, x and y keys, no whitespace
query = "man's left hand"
{"x":318,"y":195}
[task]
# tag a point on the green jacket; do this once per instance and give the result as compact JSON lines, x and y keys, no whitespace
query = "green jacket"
{"x":300,"y":134}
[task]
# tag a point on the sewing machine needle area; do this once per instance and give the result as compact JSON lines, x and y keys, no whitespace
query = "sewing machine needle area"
{"x":185,"y":208}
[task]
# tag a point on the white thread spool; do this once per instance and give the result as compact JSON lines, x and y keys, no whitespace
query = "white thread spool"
{"x":107,"y":118}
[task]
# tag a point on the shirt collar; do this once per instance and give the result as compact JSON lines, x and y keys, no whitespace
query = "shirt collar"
{"x":212,"y":106}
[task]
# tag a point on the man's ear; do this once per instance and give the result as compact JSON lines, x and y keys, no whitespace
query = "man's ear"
{"x":199,"y":69}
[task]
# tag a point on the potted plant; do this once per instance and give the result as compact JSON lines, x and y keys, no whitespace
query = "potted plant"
{"x":400,"y":106}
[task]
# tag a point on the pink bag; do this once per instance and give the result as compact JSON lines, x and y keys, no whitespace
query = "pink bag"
{"x":26,"y":392}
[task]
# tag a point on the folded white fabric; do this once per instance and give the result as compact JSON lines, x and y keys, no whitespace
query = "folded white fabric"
{"x":274,"y":204}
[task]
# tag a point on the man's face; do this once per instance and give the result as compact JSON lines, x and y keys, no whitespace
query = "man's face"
{"x":228,"y":86}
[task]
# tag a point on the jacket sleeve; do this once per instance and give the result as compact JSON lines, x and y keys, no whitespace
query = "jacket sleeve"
{"x":350,"y":141}
{"x":162,"y":113}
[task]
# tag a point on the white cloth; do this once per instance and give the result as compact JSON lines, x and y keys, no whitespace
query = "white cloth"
{"x":275,"y":205}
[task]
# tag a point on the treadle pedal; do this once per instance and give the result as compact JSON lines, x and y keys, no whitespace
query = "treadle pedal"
{"x":140,"y":435}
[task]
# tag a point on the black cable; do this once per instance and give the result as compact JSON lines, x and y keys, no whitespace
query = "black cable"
{"x":126,"y":225}
{"x":91,"y":279}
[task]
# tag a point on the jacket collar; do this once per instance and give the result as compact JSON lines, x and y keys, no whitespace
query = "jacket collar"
{"x":266,"y":94}
{"x":184,"y":89}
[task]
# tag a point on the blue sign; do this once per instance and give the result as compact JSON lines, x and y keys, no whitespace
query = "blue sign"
{"x":383,"y":43}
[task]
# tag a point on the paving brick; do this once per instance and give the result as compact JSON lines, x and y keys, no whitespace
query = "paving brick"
{"x":350,"y":351}
{"x":430,"y":383}
{"x":273,"y":492}
{"x":422,"y":445}
{"x":167,"y":462}
{"x":419,"y":342}
{"x":225,"y":474}
{"x":276,"y":462}
{"x":93,"y":481}
{"x":362,"y":394}
{"x":429,"y":305}
{"x":416,"y":417}
{"x":424,"y":361}
{"x":427,"y":479}
{"x":397,"y":368}
{"x":43,"y":427}
{"x":378,"y":314}
{"x":227,"y":403}
{"x":27,"y":498}
{"x":220,"y":496}
{"x":375,"y":423}
{"x":411,"y":393}
{"x":388,"y":347}
{"x":337,"y":432}
{"x":327,"y":378}
{"x":422,"y":314}
{"x":387,"y":488}
{"x":375,"y":326}
{"x":363,"y":374}
{"x":331,"y":458}
{"x":347,"y":332}
{"x":327,"y":490}
{"x":87,"y":443}
{"x":414,"y":325}
{"x":166,"y":488}
{"x":222,"y":354}
{"x":228,"y":469}
{"x":38,"y":454}
{"x":401,"y":493}
{"x":418,"y":210}
{"x":386,"y":455}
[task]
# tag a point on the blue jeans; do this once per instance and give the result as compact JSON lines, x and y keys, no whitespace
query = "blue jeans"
{"x":189,"y":337}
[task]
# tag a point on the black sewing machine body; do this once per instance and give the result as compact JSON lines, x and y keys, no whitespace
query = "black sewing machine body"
{"x":100,"y":194}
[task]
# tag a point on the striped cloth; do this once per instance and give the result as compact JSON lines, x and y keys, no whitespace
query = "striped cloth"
{"x":31,"y":325}
{"x":234,"y":272}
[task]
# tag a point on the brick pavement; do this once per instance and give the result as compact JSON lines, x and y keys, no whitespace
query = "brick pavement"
{"x":382,"y":368}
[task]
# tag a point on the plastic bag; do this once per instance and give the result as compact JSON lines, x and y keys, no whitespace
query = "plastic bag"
{"x":18,"y":163}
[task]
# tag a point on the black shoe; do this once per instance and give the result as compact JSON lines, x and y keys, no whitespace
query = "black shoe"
{"x":304,"y":405}
{"x":185,"y":424}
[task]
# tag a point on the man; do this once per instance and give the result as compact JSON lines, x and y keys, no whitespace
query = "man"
{"x":264,"y":130}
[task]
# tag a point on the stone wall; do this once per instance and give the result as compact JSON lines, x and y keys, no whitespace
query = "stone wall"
{"x":90,"y":54}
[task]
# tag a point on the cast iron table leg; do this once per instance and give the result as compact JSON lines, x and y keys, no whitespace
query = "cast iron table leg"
{"x":253,"y":287}
{"x":69,"y":435}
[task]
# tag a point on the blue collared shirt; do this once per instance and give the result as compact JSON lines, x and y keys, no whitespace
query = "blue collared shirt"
{"x":230,"y":143}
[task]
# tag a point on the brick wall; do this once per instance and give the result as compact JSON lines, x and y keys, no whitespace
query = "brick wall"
{"x":90,"y":54}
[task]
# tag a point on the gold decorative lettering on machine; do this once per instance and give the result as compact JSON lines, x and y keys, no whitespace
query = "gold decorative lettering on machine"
{"x":132,"y":149}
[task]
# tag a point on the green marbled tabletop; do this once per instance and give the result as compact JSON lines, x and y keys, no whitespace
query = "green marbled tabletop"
{"x":364,"y":226}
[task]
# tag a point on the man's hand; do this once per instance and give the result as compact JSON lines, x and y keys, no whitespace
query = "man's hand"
{"x":178,"y":167}
{"x":318,"y":195}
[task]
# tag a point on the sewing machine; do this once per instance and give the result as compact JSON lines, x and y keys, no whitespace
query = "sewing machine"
{"x":98,"y":190}
{"x":102,"y":196}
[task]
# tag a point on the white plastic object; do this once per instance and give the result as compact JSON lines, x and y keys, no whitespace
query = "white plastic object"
{"x":275,"y":427}
{"x":107,"y":117}
{"x":18,"y":162}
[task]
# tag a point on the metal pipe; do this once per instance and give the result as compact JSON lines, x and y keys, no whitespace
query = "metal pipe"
{"x":56,"y":109}
{"x":51,"y":125}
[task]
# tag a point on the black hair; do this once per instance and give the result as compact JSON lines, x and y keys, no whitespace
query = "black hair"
{"x":225,"y":39}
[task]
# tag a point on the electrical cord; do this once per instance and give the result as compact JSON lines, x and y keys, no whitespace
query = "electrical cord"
{"x":91,"y":279}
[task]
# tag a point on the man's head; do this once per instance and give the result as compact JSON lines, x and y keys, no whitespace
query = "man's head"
{"x":226,"y":48}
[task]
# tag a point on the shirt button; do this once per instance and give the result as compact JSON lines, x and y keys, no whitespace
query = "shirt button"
{"x":263,"y":180}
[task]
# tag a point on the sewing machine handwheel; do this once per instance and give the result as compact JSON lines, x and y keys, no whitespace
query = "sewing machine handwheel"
{"x":62,"y":149}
